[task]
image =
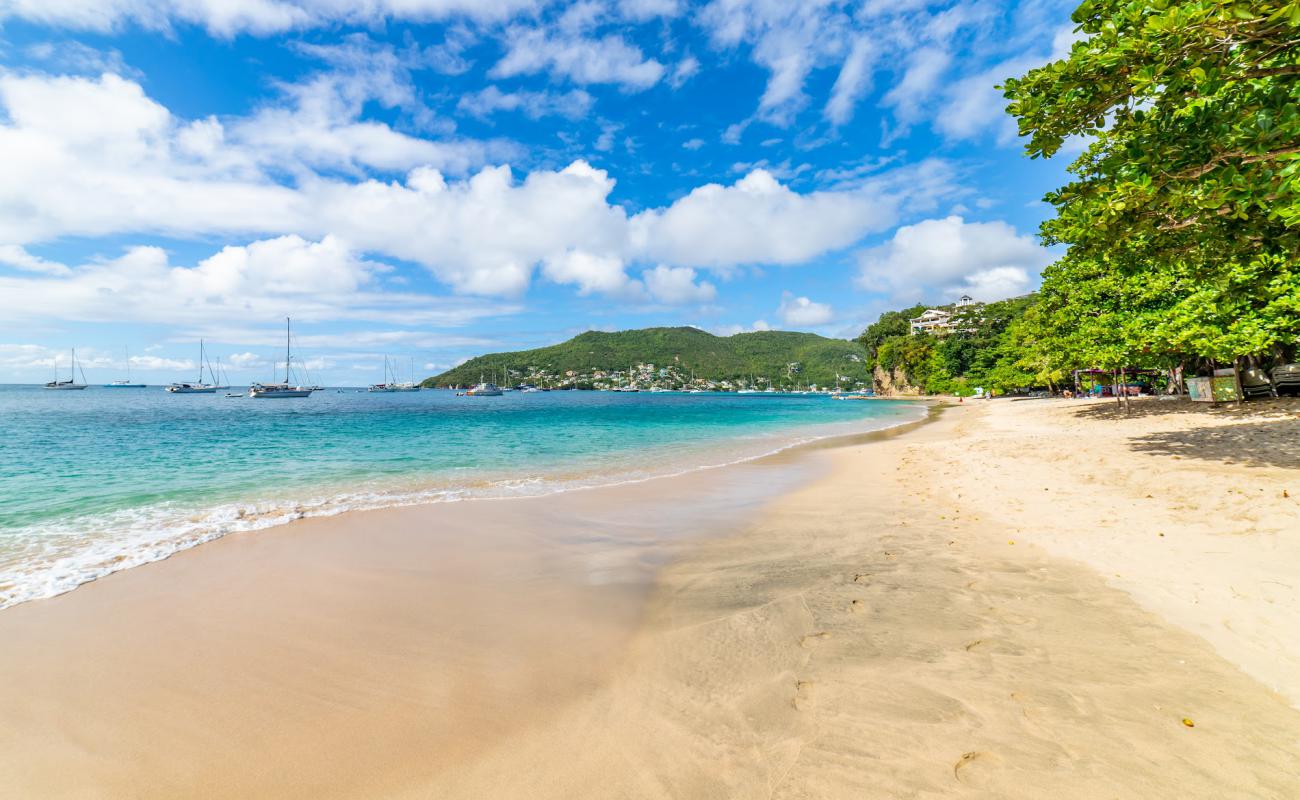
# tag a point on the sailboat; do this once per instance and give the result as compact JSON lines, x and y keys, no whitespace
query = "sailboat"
{"x":71,"y":382}
{"x":124,"y":383}
{"x":406,"y":386}
{"x":278,"y":390}
{"x":390,"y":383}
{"x":631,"y":386}
{"x":198,"y":387}
{"x":219,"y":375}
{"x":387,"y":385}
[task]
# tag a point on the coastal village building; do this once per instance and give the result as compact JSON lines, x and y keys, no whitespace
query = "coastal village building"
{"x":936,"y":321}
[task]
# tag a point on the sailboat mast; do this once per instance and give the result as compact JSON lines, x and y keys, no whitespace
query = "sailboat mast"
{"x":286,"y":351}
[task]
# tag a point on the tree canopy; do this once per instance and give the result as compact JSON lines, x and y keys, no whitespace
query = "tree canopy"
{"x":1182,"y":217}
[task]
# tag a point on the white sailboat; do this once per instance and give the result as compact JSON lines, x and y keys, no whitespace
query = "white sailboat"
{"x":406,"y":386}
{"x":219,"y":376}
{"x":198,"y":387}
{"x":125,"y":383}
{"x":285,"y":389}
{"x":388,"y":385}
{"x":71,"y":382}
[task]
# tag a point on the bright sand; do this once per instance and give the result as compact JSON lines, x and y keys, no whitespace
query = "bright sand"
{"x":980,"y":607}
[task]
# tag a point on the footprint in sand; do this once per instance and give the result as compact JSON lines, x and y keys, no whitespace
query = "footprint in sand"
{"x":804,"y":695}
{"x":813,"y":638}
{"x":862,"y":577}
{"x":858,"y":607}
{"x":974,"y":767}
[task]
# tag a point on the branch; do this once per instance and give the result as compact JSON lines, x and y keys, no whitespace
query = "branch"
{"x":1246,"y":158}
{"x":1269,"y":72}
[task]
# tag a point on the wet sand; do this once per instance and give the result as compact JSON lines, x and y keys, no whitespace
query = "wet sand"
{"x":862,"y":633}
{"x":349,"y":656}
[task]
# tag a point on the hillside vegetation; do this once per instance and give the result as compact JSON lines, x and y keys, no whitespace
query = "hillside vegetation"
{"x":992,"y":346}
{"x":783,"y":357}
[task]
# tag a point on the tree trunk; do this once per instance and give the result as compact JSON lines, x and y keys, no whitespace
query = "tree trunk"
{"x":1236,"y":378}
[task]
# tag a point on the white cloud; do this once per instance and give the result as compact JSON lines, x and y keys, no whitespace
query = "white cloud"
{"x":14,"y":357}
{"x":159,"y":363}
{"x":98,"y":157}
{"x":758,"y":220}
{"x":853,"y":82}
{"x":973,"y":104}
{"x":787,"y":39}
{"x":693,"y":144}
{"x":11,"y":255}
{"x":949,"y":256}
{"x":802,"y":312}
{"x":228,"y":18}
{"x":683,"y":71}
{"x":317,"y":122}
{"x":924,"y":69}
{"x":263,"y":280}
{"x":677,"y":285}
{"x":590,"y":273}
{"x":34,"y":360}
{"x":609,"y":59}
{"x":641,"y":10}
{"x":573,"y":104}
{"x":246,"y":360}
{"x":732,"y":330}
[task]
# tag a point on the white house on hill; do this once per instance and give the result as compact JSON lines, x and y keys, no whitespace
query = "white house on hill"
{"x":937,"y":321}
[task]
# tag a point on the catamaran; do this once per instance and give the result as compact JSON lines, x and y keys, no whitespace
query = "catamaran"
{"x":278,"y":390}
{"x":124,"y":383}
{"x":71,"y":382}
{"x":198,"y":387}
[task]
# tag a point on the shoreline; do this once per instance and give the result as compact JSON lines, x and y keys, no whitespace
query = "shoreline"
{"x":261,"y":515}
{"x":833,"y":621}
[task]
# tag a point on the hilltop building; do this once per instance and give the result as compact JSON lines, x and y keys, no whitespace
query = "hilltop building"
{"x":937,"y":321}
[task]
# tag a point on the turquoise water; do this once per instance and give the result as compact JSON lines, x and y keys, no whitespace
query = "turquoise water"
{"x":103,"y":479}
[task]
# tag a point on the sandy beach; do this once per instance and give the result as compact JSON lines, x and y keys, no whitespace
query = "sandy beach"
{"x":1018,"y":599}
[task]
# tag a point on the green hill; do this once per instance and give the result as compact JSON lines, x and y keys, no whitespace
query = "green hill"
{"x":784,"y":357}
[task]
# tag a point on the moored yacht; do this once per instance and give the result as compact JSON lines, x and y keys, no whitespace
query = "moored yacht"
{"x":71,"y":382}
{"x":285,"y":389}
{"x":198,"y":387}
{"x":484,"y":389}
{"x":125,"y":383}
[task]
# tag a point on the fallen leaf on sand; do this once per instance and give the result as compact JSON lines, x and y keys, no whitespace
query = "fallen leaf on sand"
{"x":1188,"y":722}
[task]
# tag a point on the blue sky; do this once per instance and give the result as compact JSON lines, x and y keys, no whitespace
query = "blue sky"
{"x":434,"y":179}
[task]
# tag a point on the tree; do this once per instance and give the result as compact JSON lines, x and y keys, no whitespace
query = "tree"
{"x":890,"y":324}
{"x":1189,"y":185}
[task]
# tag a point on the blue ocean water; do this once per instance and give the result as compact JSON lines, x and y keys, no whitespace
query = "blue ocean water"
{"x":103,"y":479}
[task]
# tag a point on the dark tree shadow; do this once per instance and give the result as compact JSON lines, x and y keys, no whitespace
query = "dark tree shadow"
{"x":1267,"y":436}
{"x":1275,"y":443}
{"x":1265,"y":408}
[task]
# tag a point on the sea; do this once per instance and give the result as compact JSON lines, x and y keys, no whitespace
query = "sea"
{"x":100,"y":480}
